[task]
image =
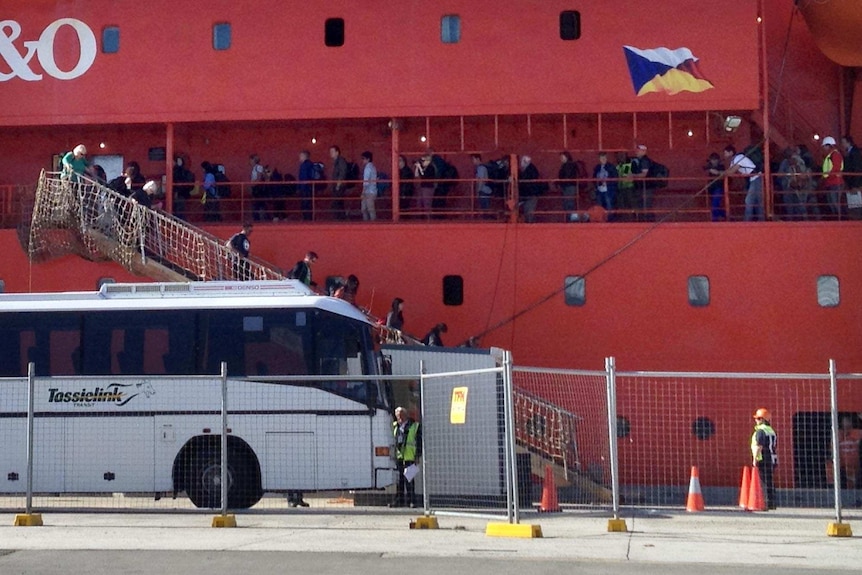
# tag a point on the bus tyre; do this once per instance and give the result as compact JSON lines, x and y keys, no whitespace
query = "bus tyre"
{"x":204,"y":480}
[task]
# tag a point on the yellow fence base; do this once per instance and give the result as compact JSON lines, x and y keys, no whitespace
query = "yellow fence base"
{"x":521,"y":530}
{"x":224,"y":521}
{"x":425,"y":523}
{"x":617,"y":526}
{"x":28,"y":520}
{"x":839,"y":530}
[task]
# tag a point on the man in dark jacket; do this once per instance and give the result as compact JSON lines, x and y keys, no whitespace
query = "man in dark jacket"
{"x":338,"y":186}
{"x":853,"y":177}
{"x":529,"y":190}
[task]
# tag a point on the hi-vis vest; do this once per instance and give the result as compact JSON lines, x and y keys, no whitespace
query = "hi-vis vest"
{"x":772,"y":439}
{"x":624,"y":170}
{"x":827,"y":165}
{"x":406,"y":452}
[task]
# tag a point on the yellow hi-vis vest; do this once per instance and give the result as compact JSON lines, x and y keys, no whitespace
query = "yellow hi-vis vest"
{"x":773,"y":441}
{"x":406,"y":452}
{"x":827,"y":164}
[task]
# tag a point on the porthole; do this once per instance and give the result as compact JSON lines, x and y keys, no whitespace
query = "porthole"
{"x":698,"y":291}
{"x":221,"y":36}
{"x":110,"y":39}
{"x":703,"y":428}
{"x":828,"y":291}
{"x":624,"y":427}
{"x":453,"y":290}
{"x":575,"y":290}
{"x":333,"y":32}
{"x":570,"y":25}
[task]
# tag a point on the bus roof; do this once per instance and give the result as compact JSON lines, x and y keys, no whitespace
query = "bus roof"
{"x":189,"y":295}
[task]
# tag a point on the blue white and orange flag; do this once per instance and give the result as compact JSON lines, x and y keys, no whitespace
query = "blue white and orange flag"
{"x":664,"y":70}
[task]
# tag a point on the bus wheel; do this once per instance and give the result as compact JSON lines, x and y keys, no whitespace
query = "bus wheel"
{"x":204,"y":479}
{"x":243,"y":479}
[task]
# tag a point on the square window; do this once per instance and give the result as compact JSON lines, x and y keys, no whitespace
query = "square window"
{"x":333,"y":32}
{"x":453,"y":290}
{"x":698,"y":291}
{"x":828,"y":294}
{"x":2,"y":286}
{"x":570,"y":25}
{"x":221,"y":36}
{"x":110,"y":40}
{"x":575,"y":290}
{"x":450,"y":29}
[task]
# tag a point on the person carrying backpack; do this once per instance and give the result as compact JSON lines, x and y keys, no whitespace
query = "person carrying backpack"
{"x":567,"y":185}
{"x":305,"y":186}
{"x":302,"y":270}
{"x":644,"y":191}
{"x":338,"y":187}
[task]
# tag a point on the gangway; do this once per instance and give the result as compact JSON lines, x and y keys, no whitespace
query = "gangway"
{"x":80,"y":216}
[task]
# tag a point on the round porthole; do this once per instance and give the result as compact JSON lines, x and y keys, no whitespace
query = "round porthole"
{"x":624,"y":428}
{"x":703,"y":428}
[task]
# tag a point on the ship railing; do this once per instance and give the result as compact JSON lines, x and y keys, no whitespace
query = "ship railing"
{"x":683,"y":199}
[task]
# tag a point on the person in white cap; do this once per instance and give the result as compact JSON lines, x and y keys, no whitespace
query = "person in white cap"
{"x":833,"y":165}
{"x":75,"y":163}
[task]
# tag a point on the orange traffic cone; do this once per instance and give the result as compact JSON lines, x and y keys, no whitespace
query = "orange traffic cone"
{"x":695,"y":497}
{"x":744,"y":487}
{"x":549,"y":504}
{"x":755,"y":493}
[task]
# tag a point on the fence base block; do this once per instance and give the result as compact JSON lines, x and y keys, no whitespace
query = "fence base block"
{"x":839,"y":530}
{"x":224,"y":521}
{"x":617,"y":526}
{"x":425,"y":523}
{"x":520,"y":530}
{"x":28,"y":520}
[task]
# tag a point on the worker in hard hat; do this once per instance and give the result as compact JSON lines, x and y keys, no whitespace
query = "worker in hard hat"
{"x":764,"y":455}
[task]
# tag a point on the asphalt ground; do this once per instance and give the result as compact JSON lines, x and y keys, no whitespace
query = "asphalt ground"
{"x":361,"y":541}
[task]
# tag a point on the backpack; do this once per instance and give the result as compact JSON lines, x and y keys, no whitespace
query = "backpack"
{"x":449,"y":172}
{"x":498,"y":176}
{"x":222,"y":184}
{"x":318,"y":171}
{"x":352,"y":175}
{"x":658,"y":174}
{"x":383,"y":183}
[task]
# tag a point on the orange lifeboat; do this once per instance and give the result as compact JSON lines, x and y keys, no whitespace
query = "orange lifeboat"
{"x":835,"y":25}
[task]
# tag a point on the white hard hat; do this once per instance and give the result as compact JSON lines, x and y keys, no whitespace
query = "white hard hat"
{"x":828,"y":141}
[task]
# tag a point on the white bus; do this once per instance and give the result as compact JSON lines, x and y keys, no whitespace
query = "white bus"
{"x":128,"y":395}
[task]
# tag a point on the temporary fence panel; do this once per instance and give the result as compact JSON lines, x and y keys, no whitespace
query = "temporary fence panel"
{"x":464,"y":434}
{"x":668,"y":423}
{"x":318,"y":441}
{"x":13,"y":437}
{"x":561,"y":426}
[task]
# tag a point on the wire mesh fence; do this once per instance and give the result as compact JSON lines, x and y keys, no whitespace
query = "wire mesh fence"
{"x":155,"y":443}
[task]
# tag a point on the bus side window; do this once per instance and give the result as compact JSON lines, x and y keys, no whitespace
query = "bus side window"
{"x":10,"y":354}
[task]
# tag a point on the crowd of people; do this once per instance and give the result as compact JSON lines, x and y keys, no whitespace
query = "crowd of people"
{"x":622,"y":187}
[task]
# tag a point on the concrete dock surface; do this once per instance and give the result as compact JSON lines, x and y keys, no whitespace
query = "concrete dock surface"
{"x":359,"y":541}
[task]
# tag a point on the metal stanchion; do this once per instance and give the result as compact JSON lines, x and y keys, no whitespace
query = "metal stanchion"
{"x":514,"y":527}
{"x":29,"y":519}
{"x":615,"y":524}
{"x":427,"y":521}
{"x":837,"y":528}
{"x":224,"y":520}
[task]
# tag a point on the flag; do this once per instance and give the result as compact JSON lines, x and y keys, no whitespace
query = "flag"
{"x":664,"y":70}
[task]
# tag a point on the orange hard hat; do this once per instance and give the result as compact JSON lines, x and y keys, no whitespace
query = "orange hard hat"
{"x":763,"y":413}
